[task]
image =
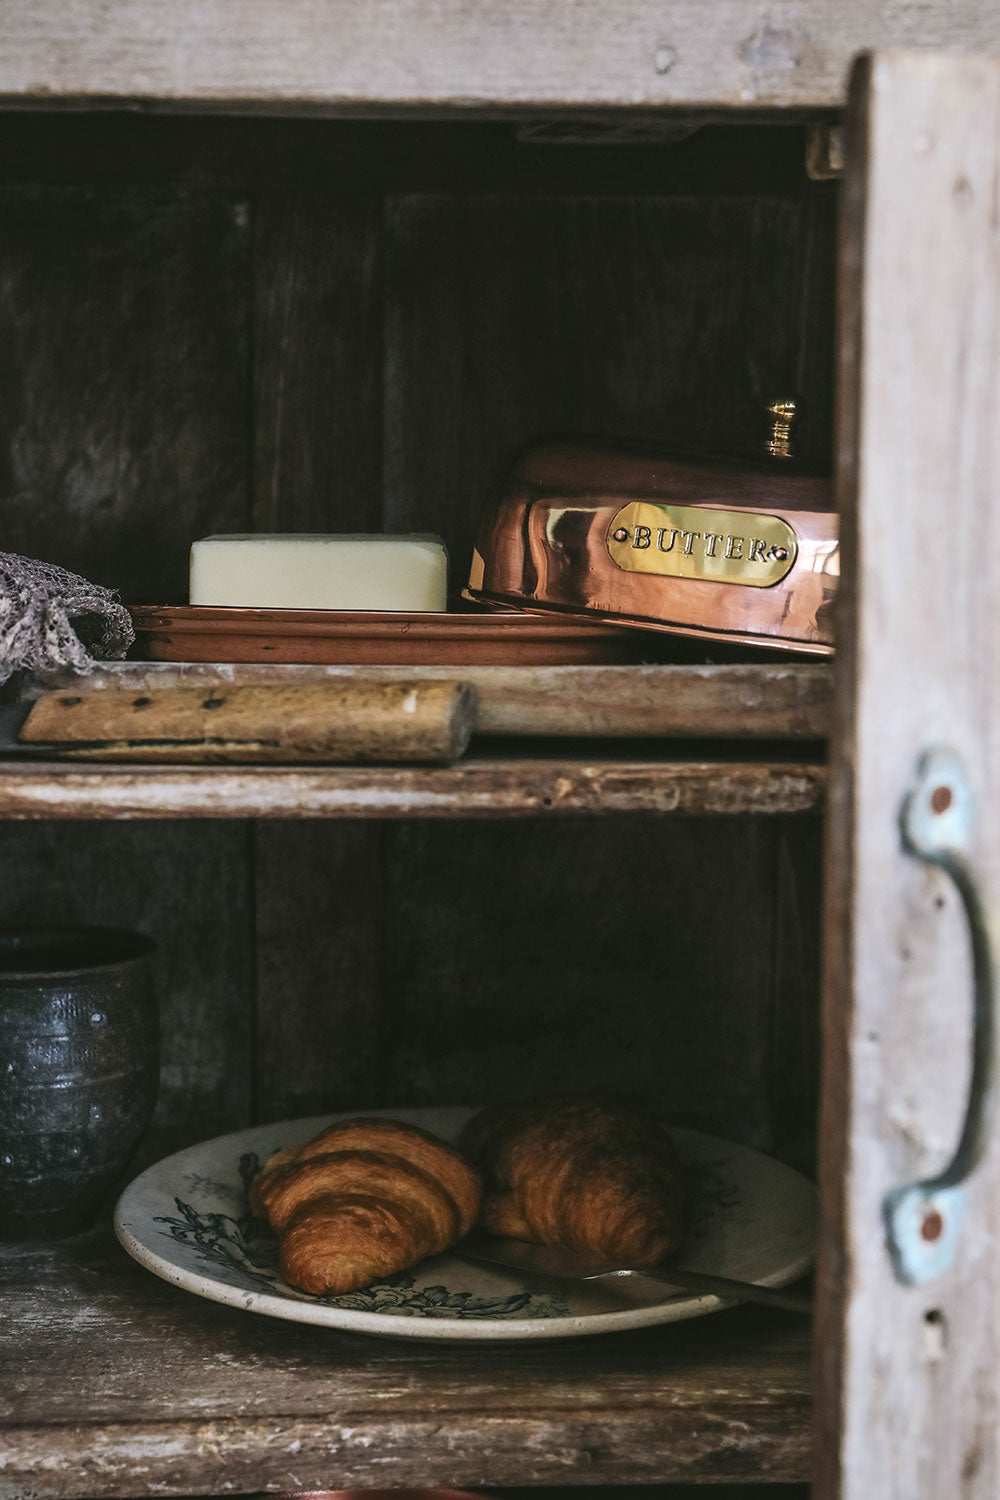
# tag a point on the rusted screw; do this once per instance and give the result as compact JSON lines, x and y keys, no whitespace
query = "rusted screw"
{"x":941,"y":799}
{"x":932,"y":1227}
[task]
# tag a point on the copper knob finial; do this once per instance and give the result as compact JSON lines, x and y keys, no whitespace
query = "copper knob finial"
{"x":782,"y":413}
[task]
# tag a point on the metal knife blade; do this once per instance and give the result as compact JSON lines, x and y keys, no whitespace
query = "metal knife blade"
{"x":550,"y":1260}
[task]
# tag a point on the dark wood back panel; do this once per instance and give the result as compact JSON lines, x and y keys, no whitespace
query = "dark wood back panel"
{"x":222,"y":325}
{"x":124,"y":328}
{"x":667,"y":320}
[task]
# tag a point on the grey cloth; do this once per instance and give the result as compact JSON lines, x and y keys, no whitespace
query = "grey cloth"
{"x":52,"y":618}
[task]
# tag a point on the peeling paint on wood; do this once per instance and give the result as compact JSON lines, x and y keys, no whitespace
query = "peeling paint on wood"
{"x":218,"y":1400}
{"x":476,"y":787}
{"x":907,"y":1378}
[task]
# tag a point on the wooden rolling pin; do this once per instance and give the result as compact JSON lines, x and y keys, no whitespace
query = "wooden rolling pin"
{"x":355,"y":720}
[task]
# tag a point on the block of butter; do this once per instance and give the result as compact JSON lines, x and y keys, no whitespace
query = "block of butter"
{"x":299,"y":571}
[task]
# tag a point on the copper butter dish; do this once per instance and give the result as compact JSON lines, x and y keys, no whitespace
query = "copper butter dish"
{"x":741,"y":553}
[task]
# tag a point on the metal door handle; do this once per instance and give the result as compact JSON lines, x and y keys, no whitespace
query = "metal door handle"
{"x":924,"y":1219}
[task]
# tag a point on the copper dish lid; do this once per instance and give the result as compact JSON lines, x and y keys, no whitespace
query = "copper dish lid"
{"x":740,"y":553}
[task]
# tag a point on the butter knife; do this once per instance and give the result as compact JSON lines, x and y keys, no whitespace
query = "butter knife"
{"x":566,"y":1265}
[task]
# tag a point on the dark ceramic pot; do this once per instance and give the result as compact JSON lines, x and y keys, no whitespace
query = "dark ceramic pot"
{"x":79,"y":1070}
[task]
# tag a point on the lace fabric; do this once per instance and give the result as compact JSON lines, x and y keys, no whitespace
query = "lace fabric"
{"x":52,"y":618}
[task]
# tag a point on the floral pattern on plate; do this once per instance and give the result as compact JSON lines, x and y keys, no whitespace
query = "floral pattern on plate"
{"x":187,"y":1219}
{"x":219,"y":1240}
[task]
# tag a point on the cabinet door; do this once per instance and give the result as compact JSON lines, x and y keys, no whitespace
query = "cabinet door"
{"x":908,"y":1356}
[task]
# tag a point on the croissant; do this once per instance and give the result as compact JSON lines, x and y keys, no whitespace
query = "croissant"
{"x":362,"y":1200}
{"x":603,"y":1180}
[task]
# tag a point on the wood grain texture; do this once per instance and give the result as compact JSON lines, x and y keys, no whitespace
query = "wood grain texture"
{"x":907,"y":1390}
{"x":751,"y":701}
{"x":479,"y":786}
{"x":471,"y":1450}
{"x":508,"y":319}
{"x":124,"y":366}
{"x":530,"y":54}
{"x":793,"y":1043}
{"x":320,"y":925}
{"x":122,"y":380}
{"x":533,"y":961}
{"x":352,"y":719}
{"x":354,"y":354}
{"x":317,"y":331}
{"x":317,"y":432}
{"x":217,"y":1398}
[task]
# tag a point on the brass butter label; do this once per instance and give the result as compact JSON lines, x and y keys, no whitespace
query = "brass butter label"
{"x":695,"y":541}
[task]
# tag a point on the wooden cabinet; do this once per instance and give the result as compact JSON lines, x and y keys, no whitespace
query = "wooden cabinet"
{"x":907,"y":1371}
{"x":237,"y":320}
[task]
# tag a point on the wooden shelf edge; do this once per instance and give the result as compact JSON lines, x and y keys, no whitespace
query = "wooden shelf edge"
{"x":113,"y":1382}
{"x":657,"y":1445}
{"x":746,"y":701}
{"x":538,"y":55}
{"x":478,"y":786}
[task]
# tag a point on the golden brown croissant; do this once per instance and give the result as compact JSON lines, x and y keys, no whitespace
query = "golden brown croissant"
{"x":362,"y":1200}
{"x":603,"y":1180}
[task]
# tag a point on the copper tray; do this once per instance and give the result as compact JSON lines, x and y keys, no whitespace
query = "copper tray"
{"x":358,"y":638}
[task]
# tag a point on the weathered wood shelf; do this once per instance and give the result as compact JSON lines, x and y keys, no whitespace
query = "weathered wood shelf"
{"x":751,"y":700}
{"x":549,"y":740}
{"x":535,"y":54}
{"x":481,"y":785}
{"x":114,"y":1383}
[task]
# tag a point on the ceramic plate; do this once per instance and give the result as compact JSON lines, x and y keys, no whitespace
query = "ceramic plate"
{"x":187,"y":1220}
{"x":393,"y":638}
